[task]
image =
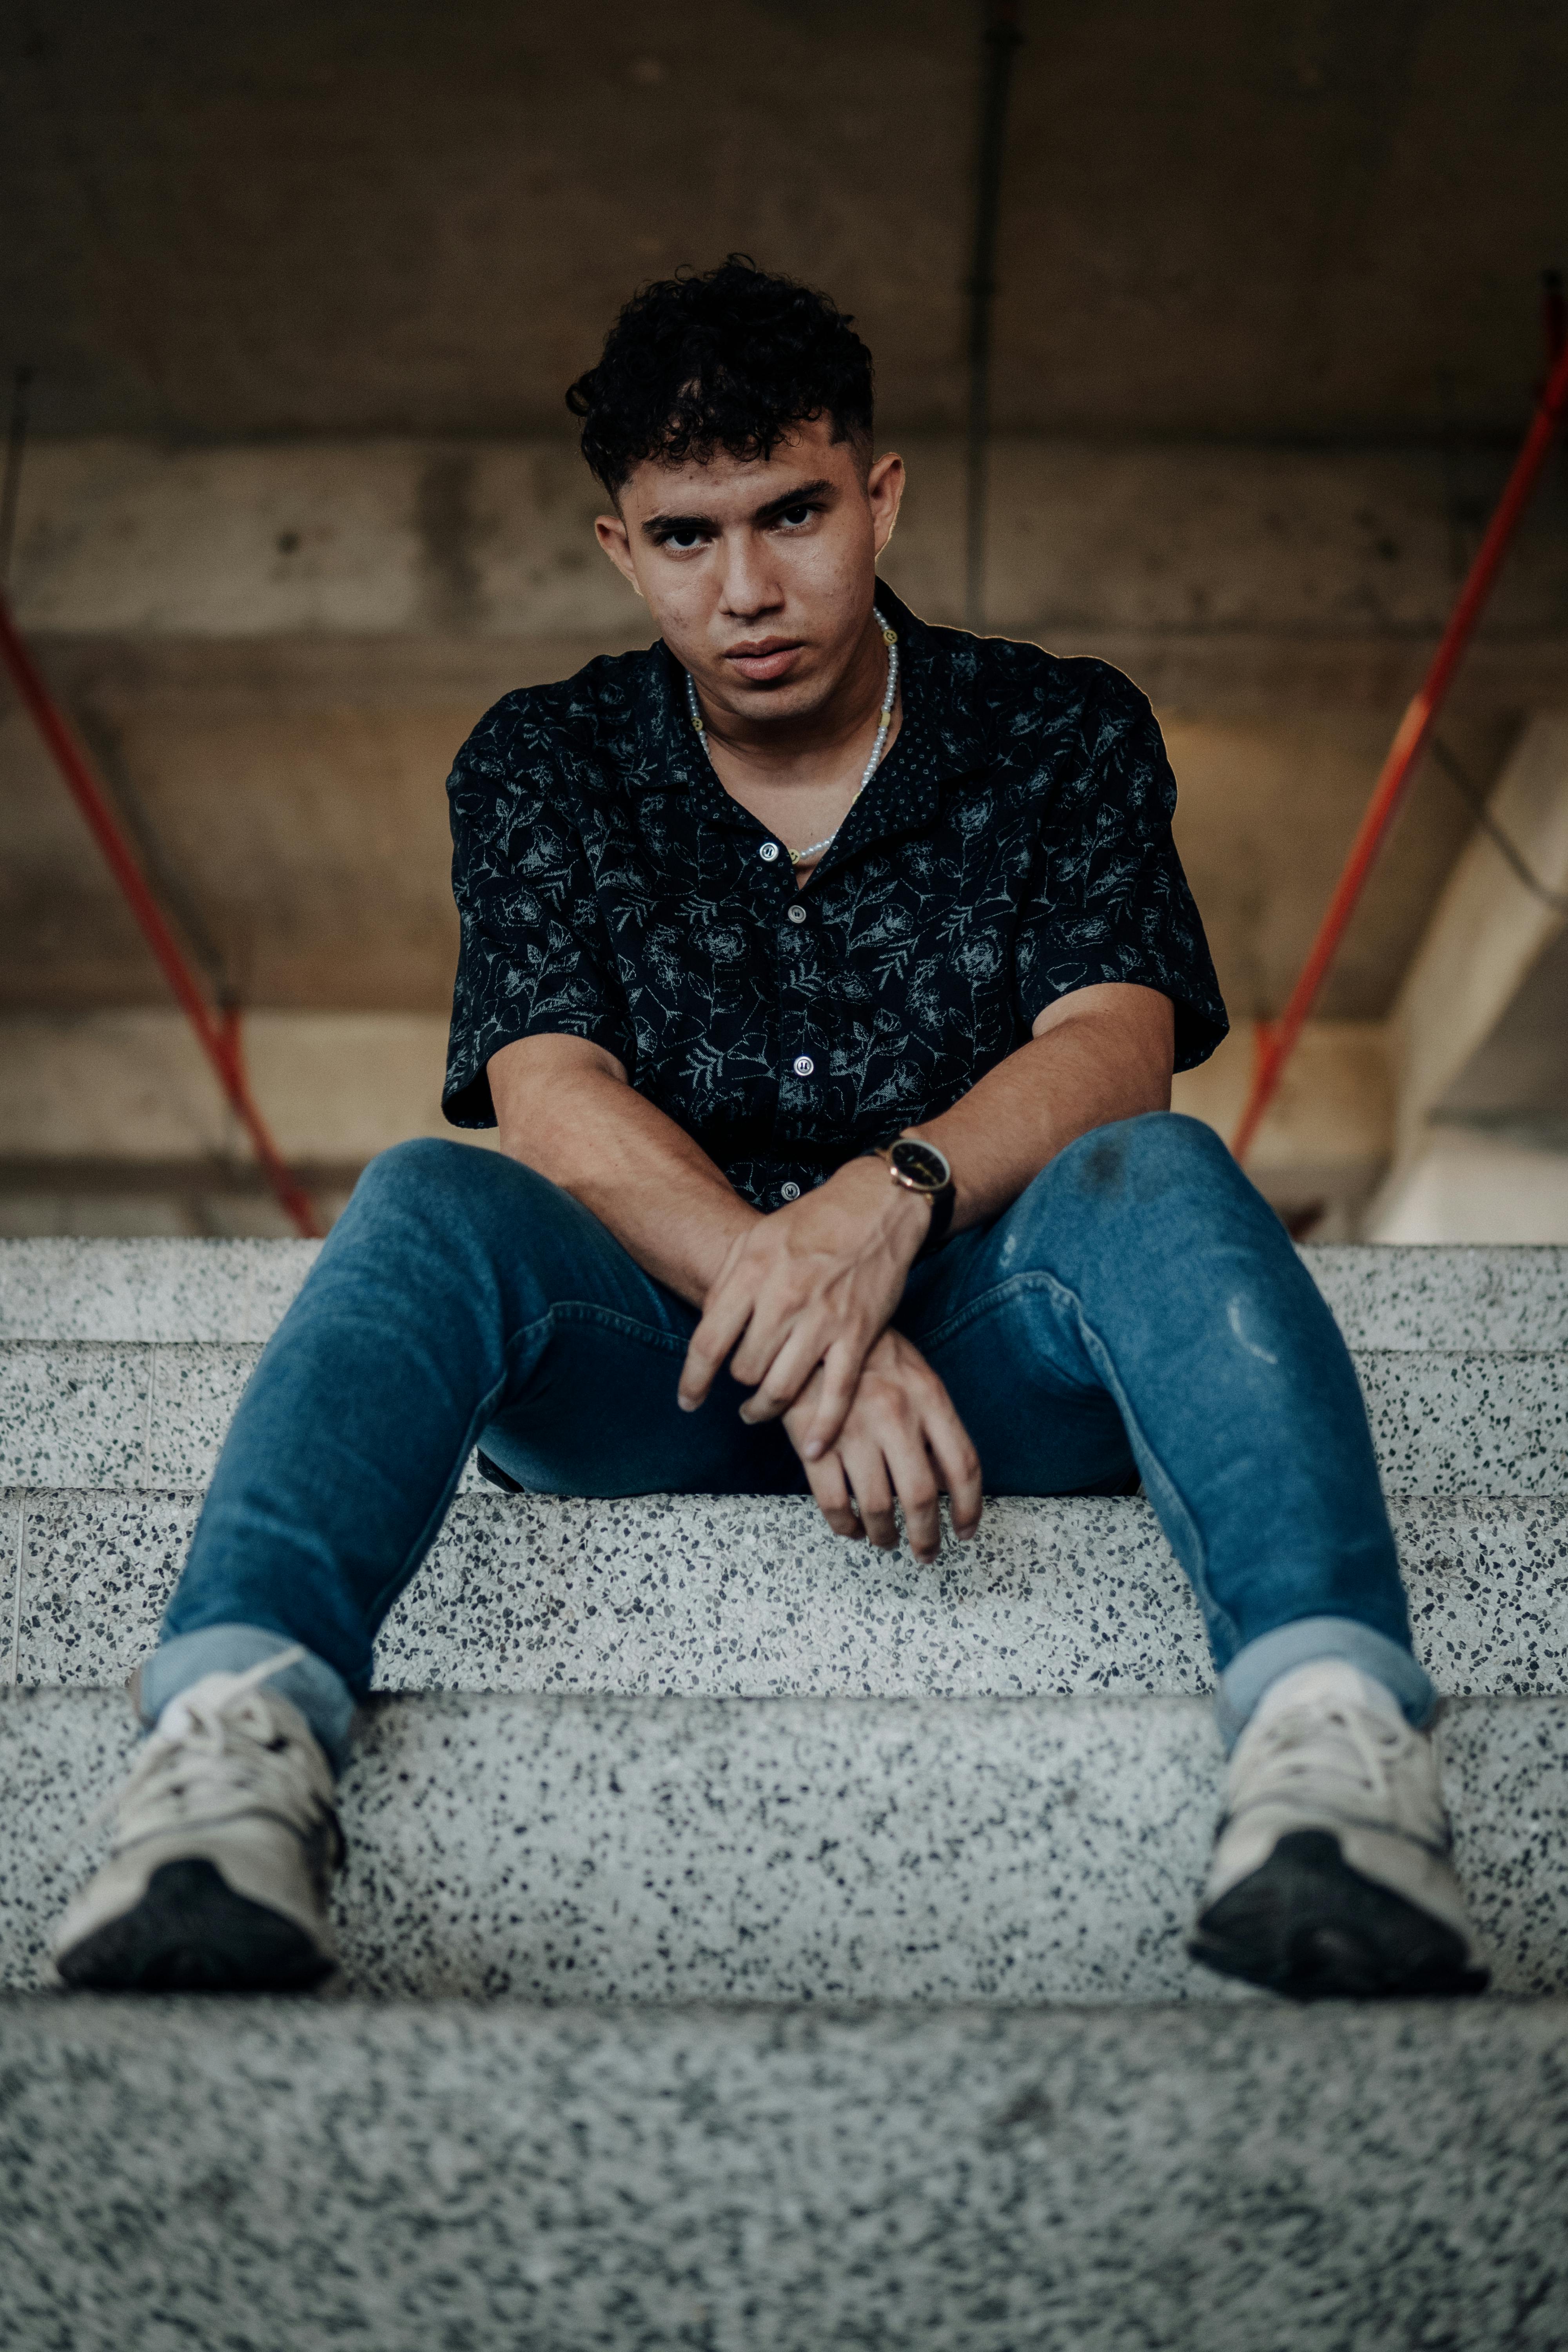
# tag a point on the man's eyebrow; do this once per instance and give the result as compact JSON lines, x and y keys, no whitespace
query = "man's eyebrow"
{"x":785,"y":499}
{"x":792,"y":499}
{"x":679,"y":522}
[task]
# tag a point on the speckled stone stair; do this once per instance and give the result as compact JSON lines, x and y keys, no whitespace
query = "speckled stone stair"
{"x":903,"y":2178}
{"x":1033,"y":1850}
{"x":1445,"y":1298}
{"x":119,"y":1412}
{"x":753,"y":1597}
{"x":121,"y":1367}
{"x":663,"y":1784}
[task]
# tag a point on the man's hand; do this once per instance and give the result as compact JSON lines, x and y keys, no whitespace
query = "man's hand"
{"x":901,"y":1439}
{"x":814,"y":1284}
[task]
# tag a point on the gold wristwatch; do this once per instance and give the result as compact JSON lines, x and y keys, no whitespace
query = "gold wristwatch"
{"x":922,"y":1168}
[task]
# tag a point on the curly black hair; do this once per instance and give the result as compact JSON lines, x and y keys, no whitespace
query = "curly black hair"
{"x":733,"y":359}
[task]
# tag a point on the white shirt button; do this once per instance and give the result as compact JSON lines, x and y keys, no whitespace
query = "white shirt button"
{"x":804,"y":1066}
{"x":797,"y":914}
{"x":768,"y":852}
{"x":789,"y":1192}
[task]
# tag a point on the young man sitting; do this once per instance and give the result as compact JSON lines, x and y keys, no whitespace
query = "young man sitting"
{"x":825,"y":973}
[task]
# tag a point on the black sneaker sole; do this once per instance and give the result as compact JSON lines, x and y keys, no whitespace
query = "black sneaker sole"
{"x":1308,"y":1925}
{"x":192,"y":1933}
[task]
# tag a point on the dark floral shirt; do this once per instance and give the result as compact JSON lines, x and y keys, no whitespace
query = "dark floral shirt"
{"x":1013,"y":845}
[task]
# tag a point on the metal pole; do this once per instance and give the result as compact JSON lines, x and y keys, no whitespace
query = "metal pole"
{"x":1002,"y":38}
{"x":217,"y":1035}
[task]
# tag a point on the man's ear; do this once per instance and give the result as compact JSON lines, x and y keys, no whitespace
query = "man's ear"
{"x":615,"y":540}
{"x":884,"y":493}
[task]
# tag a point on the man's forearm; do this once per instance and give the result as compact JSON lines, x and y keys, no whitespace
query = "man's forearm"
{"x":1102,"y":1054}
{"x":564,"y":1108}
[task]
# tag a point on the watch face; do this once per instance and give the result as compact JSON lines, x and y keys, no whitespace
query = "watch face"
{"x":921,"y":1164}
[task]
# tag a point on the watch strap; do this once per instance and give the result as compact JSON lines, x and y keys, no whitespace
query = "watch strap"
{"x":941,"y":1201}
{"x":941,"y":1208}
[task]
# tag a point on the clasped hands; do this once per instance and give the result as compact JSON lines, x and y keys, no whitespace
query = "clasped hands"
{"x":801,"y":1309}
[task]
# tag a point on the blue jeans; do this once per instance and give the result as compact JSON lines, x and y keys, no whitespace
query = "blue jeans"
{"x":1138,"y":1311}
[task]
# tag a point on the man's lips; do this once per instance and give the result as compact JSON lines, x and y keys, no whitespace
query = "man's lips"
{"x":763,"y":658}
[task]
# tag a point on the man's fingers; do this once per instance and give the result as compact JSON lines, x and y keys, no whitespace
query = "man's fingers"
{"x":788,"y":1374}
{"x":831,"y":1489}
{"x":914,"y":1480}
{"x":841,"y":1370}
{"x":781,"y":1381}
{"x":957,"y":1461}
{"x":869,"y":1482}
{"x":724,"y":1318}
{"x":766,"y":1333}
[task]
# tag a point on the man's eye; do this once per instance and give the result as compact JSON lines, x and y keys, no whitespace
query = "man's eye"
{"x":684,"y":540}
{"x":796,"y":516}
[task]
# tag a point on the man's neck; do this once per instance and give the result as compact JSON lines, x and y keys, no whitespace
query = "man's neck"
{"x":813,"y":747}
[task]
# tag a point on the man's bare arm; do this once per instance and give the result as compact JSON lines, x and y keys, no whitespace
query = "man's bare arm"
{"x":564,"y":1107}
{"x":1102,"y":1053}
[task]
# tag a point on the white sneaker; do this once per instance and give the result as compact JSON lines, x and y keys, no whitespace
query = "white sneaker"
{"x":1331,"y":1874}
{"x":224,"y":1845}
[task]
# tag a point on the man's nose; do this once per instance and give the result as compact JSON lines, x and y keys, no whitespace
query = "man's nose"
{"x":751,"y":584}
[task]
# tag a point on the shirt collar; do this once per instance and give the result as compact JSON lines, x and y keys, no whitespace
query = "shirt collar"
{"x":941,"y":735}
{"x":667,"y":748}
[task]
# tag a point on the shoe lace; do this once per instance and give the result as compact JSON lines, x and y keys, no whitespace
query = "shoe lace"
{"x":1364,"y":1764}
{"x":225,"y":1743}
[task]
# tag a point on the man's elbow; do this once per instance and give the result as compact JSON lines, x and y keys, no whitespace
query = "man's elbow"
{"x":1128,"y":1030}
{"x":539,"y":1085}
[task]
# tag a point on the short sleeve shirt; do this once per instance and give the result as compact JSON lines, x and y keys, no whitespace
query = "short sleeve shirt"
{"x":1013,"y":845}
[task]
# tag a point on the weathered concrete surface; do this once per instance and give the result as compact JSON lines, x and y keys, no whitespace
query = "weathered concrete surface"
{"x":1465,"y":1297}
{"x":360,"y":220}
{"x":149,"y":1290}
{"x":1189,"y":2179}
{"x":791,"y":1849}
{"x":1471,"y":1185}
{"x":1486,"y":932}
{"x":131,"y":1095}
{"x":1491,"y":937}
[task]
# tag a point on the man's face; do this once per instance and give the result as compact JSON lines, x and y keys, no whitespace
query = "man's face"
{"x":760,"y":574}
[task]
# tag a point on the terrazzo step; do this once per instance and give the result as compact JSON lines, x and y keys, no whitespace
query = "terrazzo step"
{"x":752,"y":1596}
{"x":1175,"y":2162}
{"x":134,"y":1414}
{"x":704,"y":2179}
{"x":1384,"y":1296}
{"x":934,"y":1850}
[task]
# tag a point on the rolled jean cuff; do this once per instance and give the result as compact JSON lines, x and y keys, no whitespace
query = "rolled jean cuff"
{"x":321,"y":1696}
{"x":1263,"y":1662}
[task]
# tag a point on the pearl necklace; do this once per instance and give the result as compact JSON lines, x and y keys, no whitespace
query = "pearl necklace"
{"x":814,"y":848}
